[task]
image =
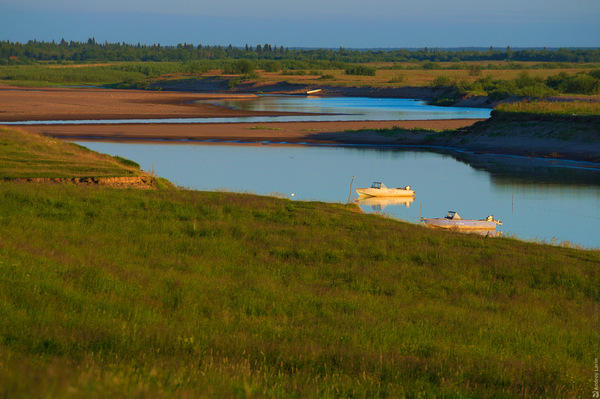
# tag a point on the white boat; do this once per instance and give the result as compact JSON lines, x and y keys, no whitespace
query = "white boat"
{"x":315,"y":91}
{"x":378,"y":189}
{"x":454,"y":221}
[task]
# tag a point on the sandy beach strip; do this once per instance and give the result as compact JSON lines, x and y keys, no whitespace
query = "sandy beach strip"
{"x":276,"y":132}
{"x":27,"y":104}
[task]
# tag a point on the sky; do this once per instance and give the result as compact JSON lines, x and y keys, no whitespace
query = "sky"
{"x":308,"y":23}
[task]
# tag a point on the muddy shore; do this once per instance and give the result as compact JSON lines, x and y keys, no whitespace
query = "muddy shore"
{"x":22,"y":104}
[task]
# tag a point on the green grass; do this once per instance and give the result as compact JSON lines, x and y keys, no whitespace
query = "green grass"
{"x":552,"y":108}
{"x":499,"y":80}
{"x":177,"y":293}
{"x":27,"y":155}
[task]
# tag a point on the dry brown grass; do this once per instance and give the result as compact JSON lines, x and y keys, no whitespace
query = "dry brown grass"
{"x":411,"y":77}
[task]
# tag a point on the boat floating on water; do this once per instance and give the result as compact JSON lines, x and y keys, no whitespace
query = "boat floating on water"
{"x":452,"y":220}
{"x":378,"y":189}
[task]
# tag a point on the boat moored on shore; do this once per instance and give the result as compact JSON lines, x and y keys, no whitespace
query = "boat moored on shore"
{"x":378,"y":189}
{"x":452,"y":220}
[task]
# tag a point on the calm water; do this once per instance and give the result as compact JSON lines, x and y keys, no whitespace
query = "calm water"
{"x":337,"y":108}
{"x":535,"y":198}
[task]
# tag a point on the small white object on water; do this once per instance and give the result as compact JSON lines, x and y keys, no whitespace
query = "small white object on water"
{"x":293,"y":194}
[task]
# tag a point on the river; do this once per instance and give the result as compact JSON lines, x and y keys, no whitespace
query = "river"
{"x":536,"y":199}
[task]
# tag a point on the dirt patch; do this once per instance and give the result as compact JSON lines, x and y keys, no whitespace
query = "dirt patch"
{"x":278,"y":132}
{"x":26,"y":104}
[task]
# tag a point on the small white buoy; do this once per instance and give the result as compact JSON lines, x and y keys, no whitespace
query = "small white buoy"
{"x":293,"y":194}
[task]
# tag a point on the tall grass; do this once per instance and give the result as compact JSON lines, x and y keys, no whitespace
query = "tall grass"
{"x":171,"y":293}
{"x":191,"y":292}
{"x":558,"y":108}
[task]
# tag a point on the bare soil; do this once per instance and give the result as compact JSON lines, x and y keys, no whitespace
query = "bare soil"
{"x":23,"y":104}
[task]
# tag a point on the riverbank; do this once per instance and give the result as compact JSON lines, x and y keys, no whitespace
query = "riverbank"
{"x":573,"y":140}
{"x":217,"y":84}
{"x":183,"y":293}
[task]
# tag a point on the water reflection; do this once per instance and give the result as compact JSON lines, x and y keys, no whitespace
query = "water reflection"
{"x":354,"y":108}
{"x":515,"y":171}
{"x":378,"y":204}
{"x":314,"y":109}
{"x":528,"y":207}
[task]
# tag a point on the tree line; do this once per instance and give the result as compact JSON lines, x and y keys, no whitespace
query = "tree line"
{"x":73,"y":51}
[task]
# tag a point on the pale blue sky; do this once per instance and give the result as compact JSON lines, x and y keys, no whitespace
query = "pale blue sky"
{"x":308,"y":23}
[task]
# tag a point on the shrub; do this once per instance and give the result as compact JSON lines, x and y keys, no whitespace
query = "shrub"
{"x":442,"y":81}
{"x":196,"y":67}
{"x":271,"y":66}
{"x":398,"y":79}
{"x":293,"y":72}
{"x":429,"y":65}
{"x":595,"y":73}
{"x":239,"y":67}
{"x":475,"y":69}
{"x":581,"y":84}
{"x":234,"y":82}
{"x":360,"y":70}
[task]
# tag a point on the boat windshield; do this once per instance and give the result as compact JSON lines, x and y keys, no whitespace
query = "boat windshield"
{"x":450,"y":215}
{"x":376,"y":184}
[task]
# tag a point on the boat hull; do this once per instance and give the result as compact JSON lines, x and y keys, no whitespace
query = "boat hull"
{"x":462,"y":224}
{"x":384,"y":192}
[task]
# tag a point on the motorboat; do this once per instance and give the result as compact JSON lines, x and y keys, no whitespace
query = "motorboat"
{"x":378,"y":189}
{"x":452,"y":220}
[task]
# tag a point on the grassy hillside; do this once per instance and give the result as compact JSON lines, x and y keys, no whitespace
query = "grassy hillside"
{"x":176,"y":293}
{"x":27,"y":155}
{"x":536,"y":110}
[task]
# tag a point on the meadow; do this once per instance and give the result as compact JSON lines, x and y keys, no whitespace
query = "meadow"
{"x":178,"y":293}
{"x":575,"y":109}
{"x":497,"y":79}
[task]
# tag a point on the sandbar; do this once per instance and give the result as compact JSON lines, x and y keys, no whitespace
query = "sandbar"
{"x":72,"y":104}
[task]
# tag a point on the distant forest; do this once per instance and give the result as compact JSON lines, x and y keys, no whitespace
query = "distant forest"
{"x":92,"y":51}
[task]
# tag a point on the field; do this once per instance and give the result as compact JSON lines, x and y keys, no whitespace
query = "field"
{"x":177,"y":293}
{"x":579,"y":109}
{"x":141,"y":74}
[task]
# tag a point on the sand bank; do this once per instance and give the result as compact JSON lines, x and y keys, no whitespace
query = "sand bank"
{"x":21,"y":104}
